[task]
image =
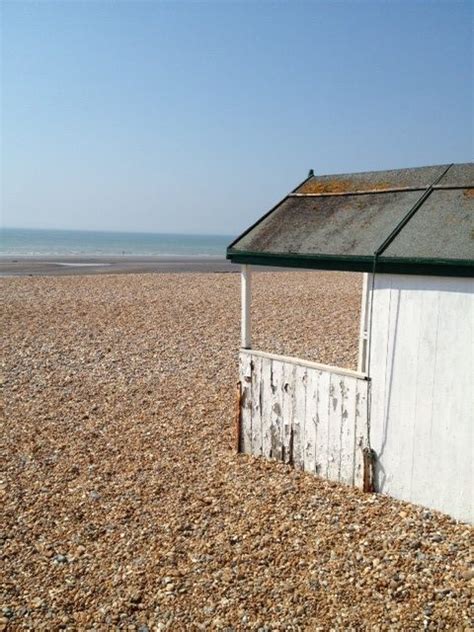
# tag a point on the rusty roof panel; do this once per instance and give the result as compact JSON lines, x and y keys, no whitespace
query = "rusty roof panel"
{"x":461,"y":175}
{"x":416,"y":178}
{"x":442,"y":228}
{"x":329,"y":225}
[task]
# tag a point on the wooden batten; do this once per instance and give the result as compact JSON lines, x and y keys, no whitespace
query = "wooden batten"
{"x":304,"y":363}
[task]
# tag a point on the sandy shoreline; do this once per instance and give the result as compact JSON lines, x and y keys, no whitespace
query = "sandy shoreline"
{"x":76,"y":265}
{"x":123,"y":503}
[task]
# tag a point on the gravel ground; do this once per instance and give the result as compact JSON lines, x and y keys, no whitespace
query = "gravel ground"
{"x":123,"y":504}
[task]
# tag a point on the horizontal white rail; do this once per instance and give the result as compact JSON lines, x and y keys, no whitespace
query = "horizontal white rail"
{"x":306,"y":363}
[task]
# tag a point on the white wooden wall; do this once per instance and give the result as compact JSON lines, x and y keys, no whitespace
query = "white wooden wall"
{"x":309,"y":415}
{"x":421,"y":367}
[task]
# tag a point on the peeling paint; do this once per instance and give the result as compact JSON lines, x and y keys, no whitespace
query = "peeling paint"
{"x":313,"y":421}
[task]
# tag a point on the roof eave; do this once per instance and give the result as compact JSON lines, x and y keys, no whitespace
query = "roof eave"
{"x":351,"y":263}
{"x":260,"y":219}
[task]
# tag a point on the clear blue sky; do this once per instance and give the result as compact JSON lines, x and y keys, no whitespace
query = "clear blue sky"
{"x":197,"y":117}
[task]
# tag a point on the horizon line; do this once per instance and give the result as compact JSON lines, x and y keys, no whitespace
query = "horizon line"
{"x":120,"y":232}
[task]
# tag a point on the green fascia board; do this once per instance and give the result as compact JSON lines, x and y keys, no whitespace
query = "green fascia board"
{"x":388,"y":265}
{"x":318,"y":262}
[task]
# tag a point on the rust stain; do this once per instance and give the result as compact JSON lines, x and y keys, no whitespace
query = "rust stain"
{"x":342,"y":186}
{"x":291,"y":459}
{"x":369,"y":467}
{"x":469,"y":193}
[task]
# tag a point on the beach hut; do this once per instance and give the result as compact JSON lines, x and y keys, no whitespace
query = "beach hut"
{"x":401,"y":424}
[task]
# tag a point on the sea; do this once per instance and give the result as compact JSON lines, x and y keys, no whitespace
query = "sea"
{"x":59,"y":243}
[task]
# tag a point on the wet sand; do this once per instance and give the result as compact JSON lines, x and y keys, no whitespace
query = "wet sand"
{"x":74,"y":265}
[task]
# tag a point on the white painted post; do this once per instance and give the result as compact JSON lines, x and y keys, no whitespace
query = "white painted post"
{"x":246,"y":299}
{"x":364,"y":324}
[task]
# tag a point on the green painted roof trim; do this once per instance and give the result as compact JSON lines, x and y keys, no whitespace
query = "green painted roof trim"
{"x":392,"y":265}
{"x":408,"y":221}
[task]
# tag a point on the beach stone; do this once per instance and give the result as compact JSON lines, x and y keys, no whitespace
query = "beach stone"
{"x":270,"y":547}
{"x":60,"y":559}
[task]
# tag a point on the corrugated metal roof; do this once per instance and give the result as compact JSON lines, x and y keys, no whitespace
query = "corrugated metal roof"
{"x":417,"y":220}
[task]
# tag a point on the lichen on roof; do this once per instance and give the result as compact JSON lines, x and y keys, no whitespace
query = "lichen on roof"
{"x":421,"y":217}
{"x":338,"y":185}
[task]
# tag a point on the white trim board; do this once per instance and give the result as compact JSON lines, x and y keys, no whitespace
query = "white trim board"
{"x":307,"y":363}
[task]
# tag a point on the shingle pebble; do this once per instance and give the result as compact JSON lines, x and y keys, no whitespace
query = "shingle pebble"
{"x":117,"y":455}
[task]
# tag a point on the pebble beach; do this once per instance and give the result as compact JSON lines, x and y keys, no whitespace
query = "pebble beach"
{"x":123,"y":502}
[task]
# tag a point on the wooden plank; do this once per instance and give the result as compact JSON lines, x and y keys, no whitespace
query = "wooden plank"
{"x":381,"y":348}
{"x":275,"y":396}
{"x":266,"y":405}
{"x":401,"y":372}
{"x":422,"y":390}
{"x":246,"y":402}
{"x":447,"y":483}
{"x":334,"y":427}
{"x":322,"y":429}
{"x":310,"y":422}
{"x":348,"y":421}
{"x":287,"y":410}
{"x":257,"y":405}
{"x":360,"y":436}
{"x":299,"y":416}
{"x":422,"y":450}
